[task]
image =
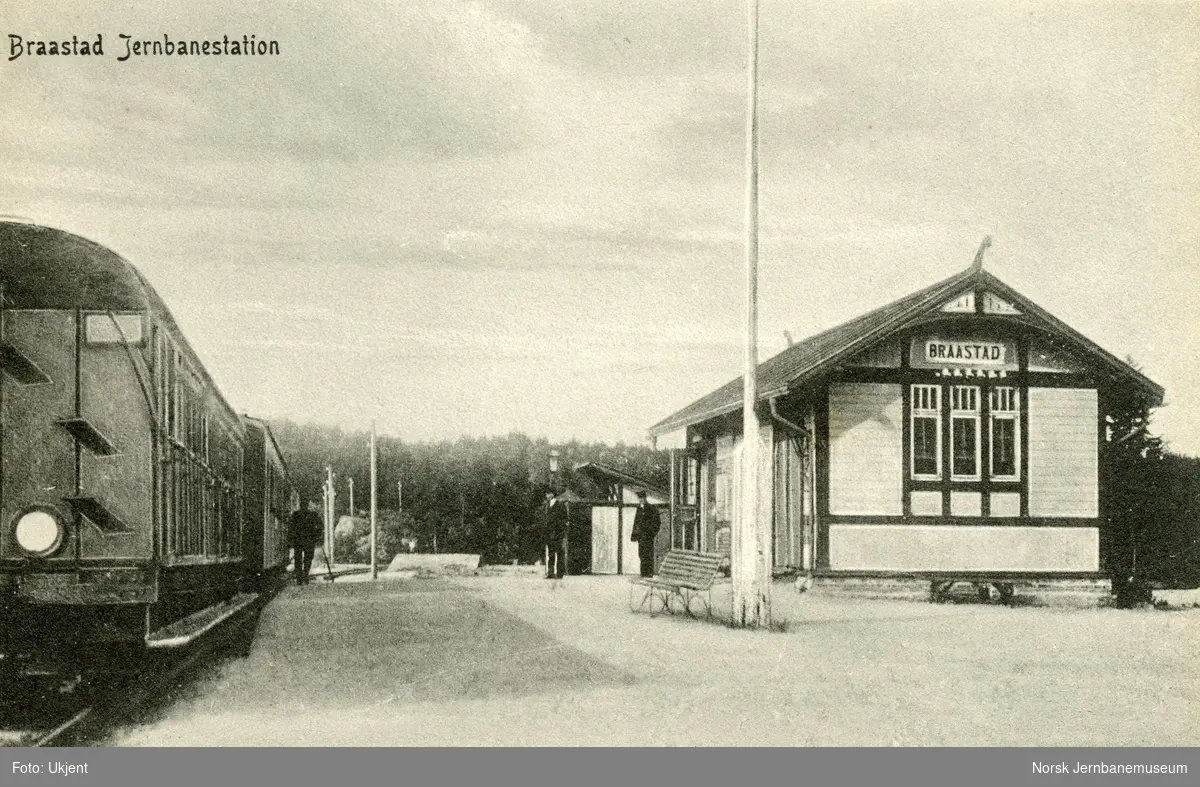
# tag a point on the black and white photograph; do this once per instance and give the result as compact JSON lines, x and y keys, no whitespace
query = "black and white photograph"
{"x":600,"y":373}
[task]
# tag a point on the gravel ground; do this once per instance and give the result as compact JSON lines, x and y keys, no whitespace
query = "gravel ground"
{"x":518,"y":661}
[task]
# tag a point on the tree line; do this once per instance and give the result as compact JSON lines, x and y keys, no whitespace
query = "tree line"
{"x":479,"y":495}
{"x":1152,"y":500}
{"x":483,"y":495}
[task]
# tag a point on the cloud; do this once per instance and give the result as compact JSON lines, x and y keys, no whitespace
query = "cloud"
{"x":473,"y":193}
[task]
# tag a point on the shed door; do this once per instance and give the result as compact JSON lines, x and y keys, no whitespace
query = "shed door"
{"x":604,"y":540}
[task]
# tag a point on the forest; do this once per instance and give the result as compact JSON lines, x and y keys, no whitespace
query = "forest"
{"x":479,"y":495}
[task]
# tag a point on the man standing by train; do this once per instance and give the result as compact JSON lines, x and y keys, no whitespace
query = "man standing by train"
{"x":646,"y":524}
{"x":304,"y":533}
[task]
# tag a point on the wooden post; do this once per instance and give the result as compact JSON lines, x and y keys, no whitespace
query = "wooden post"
{"x":673,"y":492}
{"x":329,"y":511}
{"x":749,"y":555}
{"x":620,"y":529}
{"x":351,"y":496}
{"x":374,"y":523}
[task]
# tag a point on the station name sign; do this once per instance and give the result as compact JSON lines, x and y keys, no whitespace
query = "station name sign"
{"x":938,"y":351}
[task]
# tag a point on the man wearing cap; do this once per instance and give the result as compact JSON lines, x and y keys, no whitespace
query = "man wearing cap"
{"x":645,"y":529}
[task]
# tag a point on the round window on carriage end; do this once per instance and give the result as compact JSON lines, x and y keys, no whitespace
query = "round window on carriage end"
{"x":39,"y":532}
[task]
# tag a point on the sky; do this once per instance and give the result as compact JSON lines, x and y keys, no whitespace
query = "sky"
{"x":524,"y":215}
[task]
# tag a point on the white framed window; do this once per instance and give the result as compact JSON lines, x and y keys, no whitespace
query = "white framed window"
{"x":1005,"y":434}
{"x":926,"y":432}
{"x":964,"y":433}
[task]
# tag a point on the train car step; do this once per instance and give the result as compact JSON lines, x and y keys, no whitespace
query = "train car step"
{"x":187,"y":630}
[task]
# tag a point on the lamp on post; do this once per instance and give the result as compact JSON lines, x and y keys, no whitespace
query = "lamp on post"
{"x":554,"y":489}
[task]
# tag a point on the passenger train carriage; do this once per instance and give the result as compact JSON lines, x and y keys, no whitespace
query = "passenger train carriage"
{"x":135,"y":503}
{"x":269,"y":498}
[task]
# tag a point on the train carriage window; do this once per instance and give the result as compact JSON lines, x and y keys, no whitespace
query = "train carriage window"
{"x":113,"y":328}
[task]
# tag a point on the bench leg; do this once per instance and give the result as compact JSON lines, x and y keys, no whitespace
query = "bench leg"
{"x":664,"y":600}
{"x":647,"y":596}
{"x":686,"y":595}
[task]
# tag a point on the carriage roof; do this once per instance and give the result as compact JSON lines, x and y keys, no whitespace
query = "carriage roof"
{"x":46,"y":268}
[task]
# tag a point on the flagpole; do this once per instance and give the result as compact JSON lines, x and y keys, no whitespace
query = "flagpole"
{"x":374,"y":561}
{"x":751,"y":591}
{"x":330,"y":511}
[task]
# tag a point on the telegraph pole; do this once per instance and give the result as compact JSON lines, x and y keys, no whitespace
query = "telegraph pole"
{"x":330,"y":495}
{"x":750,"y":572}
{"x":374,"y":564}
{"x":352,"y":496}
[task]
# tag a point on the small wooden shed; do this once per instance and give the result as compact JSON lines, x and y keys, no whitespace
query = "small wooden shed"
{"x":612,"y":499}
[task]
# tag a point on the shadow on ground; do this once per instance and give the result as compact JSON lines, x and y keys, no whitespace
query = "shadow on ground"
{"x":362,"y":645}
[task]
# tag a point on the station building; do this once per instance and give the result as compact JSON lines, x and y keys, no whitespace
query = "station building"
{"x":958,"y":432}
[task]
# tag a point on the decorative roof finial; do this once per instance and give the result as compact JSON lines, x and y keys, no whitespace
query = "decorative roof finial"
{"x":978,"y":264}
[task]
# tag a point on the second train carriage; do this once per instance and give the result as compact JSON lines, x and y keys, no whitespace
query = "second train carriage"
{"x":122,"y":467}
{"x":269,"y":501}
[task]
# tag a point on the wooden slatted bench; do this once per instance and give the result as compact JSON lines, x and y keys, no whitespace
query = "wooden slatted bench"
{"x":683,"y":575}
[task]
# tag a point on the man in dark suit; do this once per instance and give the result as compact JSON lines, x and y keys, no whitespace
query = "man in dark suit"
{"x":556,"y":534}
{"x":646,"y":523}
{"x":304,"y":533}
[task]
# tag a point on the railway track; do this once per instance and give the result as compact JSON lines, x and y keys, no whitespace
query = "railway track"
{"x":91,"y":709}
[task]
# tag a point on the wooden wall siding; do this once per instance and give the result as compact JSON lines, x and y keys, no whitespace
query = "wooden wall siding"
{"x":809,"y":505}
{"x":1045,"y":356}
{"x":792,"y":509}
{"x":963,"y":548}
{"x":865,"y":454}
{"x":1005,"y":504}
{"x":604,"y":539}
{"x":966,"y":504}
{"x":1063,"y":452}
{"x":926,"y":503}
{"x":782,"y":527}
{"x":885,"y":355}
